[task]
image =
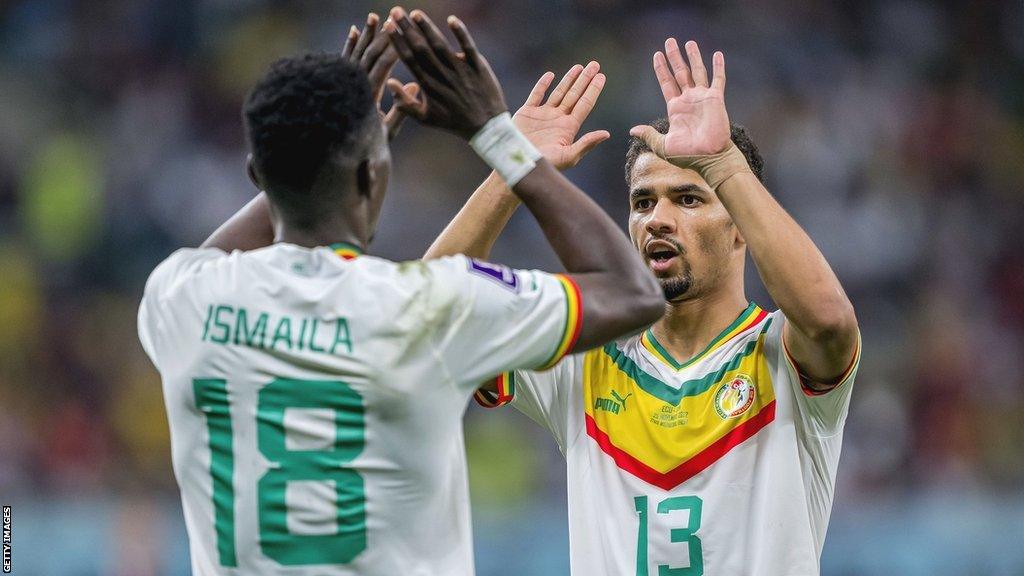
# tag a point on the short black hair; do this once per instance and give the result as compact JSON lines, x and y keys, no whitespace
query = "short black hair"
{"x":737,"y":133}
{"x":303,"y":110}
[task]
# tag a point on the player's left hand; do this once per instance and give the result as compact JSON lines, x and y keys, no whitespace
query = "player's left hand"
{"x":552,"y":125}
{"x":698,"y":122}
{"x":372,"y":50}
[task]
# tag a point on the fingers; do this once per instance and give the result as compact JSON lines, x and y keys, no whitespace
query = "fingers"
{"x":580,"y":86}
{"x":412,"y":47}
{"x":381,"y":67}
{"x":539,"y":89}
{"x":469,"y":51}
{"x":700,"y":74}
{"x":365,"y":37}
{"x":399,"y":42}
{"x":563,"y":86}
{"x":434,"y":37}
{"x":395,"y":117}
{"x":669,"y":85}
{"x":589,"y":99}
{"x":718,"y":63}
{"x":414,"y":38}
{"x":679,"y":67}
{"x":406,"y":100}
{"x":350,"y":41}
{"x":373,"y":50}
{"x":655,"y":140}
{"x":586,"y":143}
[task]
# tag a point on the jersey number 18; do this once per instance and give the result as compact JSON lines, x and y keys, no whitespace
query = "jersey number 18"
{"x":276,"y":541}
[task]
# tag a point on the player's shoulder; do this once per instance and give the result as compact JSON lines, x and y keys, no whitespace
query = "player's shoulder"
{"x":411,"y":275}
{"x":181,"y":267}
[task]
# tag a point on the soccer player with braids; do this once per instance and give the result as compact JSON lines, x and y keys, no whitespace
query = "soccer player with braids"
{"x":315,"y":395}
{"x":709,"y":443}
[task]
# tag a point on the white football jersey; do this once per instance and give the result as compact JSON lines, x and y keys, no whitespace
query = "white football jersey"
{"x":721,"y":466}
{"x":315,"y":402}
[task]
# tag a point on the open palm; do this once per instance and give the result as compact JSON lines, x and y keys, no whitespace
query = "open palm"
{"x":552,"y":125}
{"x":698,"y":121}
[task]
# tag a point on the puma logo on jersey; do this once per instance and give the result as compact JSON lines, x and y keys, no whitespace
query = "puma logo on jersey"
{"x":613,"y":405}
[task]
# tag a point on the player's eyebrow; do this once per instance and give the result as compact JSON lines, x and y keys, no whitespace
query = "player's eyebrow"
{"x":638,"y":192}
{"x":681,"y":189}
{"x":688,"y":188}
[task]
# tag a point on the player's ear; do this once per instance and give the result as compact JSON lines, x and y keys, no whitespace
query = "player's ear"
{"x":250,"y":169}
{"x":366,"y":178}
{"x":738,"y":242}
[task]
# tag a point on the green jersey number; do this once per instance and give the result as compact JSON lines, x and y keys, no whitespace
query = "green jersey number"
{"x":286,"y":466}
{"x":686,"y":534}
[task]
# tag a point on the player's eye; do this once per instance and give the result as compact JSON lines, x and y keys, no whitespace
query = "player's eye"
{"x":689,"y":200}
{"x":643,"y":204}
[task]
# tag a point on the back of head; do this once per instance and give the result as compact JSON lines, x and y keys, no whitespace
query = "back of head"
{"x":307,"y":114}
{"x":738,"y":135}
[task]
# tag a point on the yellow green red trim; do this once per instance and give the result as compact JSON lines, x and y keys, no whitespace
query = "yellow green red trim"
{"x":346,"y":251}
{"x":573,"y":321}
{"x":805,"y":381}
{"x":747,"y":319}
{"x":506,"y":386}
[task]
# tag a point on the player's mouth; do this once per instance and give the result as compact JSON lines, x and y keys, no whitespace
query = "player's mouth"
{"x":661,"y":255}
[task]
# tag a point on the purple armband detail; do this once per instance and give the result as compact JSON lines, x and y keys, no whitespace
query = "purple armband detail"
{"x":497,"y":272}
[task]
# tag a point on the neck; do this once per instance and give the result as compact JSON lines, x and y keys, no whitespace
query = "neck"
{"x":328,"y":231}
{"x":690,"y":325}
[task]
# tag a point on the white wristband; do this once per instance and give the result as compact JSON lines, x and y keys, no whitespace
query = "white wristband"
{"x":504,"y":148}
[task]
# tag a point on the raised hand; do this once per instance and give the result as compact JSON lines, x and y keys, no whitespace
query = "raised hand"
{"x":459,"y":90}
{"x":552,"y":125}
{"x":372,"y":50}
{"x":698,"y":122}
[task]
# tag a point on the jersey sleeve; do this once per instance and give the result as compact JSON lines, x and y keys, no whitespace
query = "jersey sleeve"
{"x":492,"y":319}
{"x":167,"y":281}
{"x":545,"y":397}
{"x":823,"y":413}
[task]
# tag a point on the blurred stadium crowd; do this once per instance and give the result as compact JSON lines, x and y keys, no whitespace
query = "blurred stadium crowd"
{"x":892,"y":130}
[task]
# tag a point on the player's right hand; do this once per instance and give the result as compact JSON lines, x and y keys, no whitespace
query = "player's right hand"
{"x":698,"y":121}
{"x":458,"y":90}
{"x":552,"y":125}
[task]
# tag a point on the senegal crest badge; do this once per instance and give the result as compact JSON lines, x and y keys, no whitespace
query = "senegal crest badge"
{"x":735,"y":397}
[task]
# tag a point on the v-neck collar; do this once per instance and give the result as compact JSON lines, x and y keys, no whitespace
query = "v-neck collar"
{"x":749,"y":317}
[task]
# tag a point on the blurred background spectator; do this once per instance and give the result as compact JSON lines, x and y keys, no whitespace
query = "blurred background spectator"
{"x":893,"y":130}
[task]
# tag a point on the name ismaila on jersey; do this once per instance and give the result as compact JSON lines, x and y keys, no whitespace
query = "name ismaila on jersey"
{"x":227,"y":324}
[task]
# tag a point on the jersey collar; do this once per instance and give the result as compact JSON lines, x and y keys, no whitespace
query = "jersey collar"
{"x":346,"y":251}
{"x":748,"y":318}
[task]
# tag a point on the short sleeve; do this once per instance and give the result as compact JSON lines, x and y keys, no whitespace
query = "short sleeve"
{"x":492,"y":319}
{"x":166,"y":280}
{"x":545,"y":397}
{"x":822,"y":413}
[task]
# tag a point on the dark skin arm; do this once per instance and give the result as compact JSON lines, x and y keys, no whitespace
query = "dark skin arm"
{"x":250,"y":228}
{"x":460,"y":94}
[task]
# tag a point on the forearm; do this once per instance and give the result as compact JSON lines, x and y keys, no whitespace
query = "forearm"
{"x":794,"y":271}
{"x":250,"y":228}
{"x":478,"y":224}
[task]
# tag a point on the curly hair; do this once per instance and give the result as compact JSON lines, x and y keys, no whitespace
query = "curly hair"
{"x":303,"y":110}
{"x":737,"y":133}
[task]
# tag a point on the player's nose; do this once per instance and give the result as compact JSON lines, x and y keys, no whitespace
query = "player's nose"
{"x":661,"y":220}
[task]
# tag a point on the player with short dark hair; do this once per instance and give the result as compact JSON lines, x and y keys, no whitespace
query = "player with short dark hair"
{"x":709,"y":443}
{"x":315,"y":395}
